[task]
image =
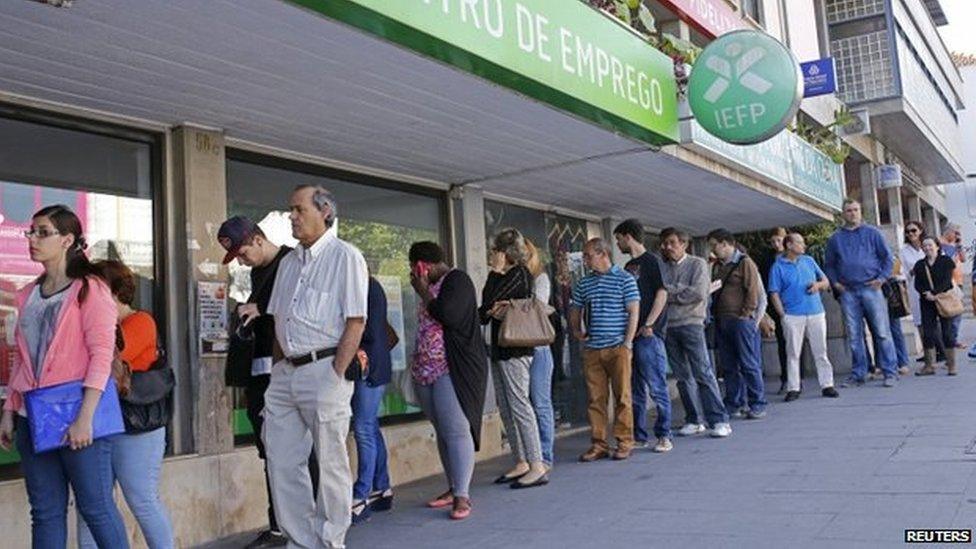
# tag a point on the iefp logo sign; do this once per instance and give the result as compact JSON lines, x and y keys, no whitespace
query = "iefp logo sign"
{"x":745,"y":87}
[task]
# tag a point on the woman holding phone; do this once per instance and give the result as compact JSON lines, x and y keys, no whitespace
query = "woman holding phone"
{"x":449,"y":369}
{"x":65,"y":332}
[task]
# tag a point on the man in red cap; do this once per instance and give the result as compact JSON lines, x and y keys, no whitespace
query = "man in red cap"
{"x":250,"y":358}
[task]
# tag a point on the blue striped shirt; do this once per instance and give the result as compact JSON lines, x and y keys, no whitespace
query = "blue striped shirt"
{"x":604,"y":298}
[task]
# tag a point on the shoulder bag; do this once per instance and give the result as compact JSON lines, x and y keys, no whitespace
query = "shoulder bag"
{"x":949,"y":303}
{"x":148,"y":404}
{"x":526,"y":324}
{"x":896,"y":294}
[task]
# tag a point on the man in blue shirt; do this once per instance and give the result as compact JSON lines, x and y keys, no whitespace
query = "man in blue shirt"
{"x":795,"y":283}
{"x":611,"y":301}
{"x":857,"y":263}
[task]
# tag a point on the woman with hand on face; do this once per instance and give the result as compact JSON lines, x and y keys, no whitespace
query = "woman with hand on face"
{"x":933,"y":275}
{"x":450,"y":369}
{"x":65,"y":332}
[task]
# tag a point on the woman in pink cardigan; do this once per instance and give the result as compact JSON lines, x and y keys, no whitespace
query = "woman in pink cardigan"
{"x":65,"y":332}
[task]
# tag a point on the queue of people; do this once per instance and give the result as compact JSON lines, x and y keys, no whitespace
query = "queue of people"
{"x":311,"y":350}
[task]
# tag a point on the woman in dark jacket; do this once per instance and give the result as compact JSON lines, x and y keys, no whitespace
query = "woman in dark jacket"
{"x":371,"y":491}
{"x":510,"y":279}
{"x":449,"y":368}
{"x":933,"y":275}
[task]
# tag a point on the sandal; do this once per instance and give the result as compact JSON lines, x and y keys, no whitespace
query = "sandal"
{"x":360,"y":512}
{"x":381,"y":500}
{"x":441,"y":501}
{"x":462,"y":509}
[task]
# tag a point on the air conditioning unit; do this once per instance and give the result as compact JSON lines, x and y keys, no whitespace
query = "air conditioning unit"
{"x":860,"y":126}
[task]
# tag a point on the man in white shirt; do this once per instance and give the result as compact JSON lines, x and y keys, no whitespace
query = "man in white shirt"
{"x":319,"y":305}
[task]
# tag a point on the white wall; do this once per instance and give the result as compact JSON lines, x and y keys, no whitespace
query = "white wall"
{"x":961,"y":197}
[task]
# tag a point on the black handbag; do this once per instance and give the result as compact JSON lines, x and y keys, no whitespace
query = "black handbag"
{"x":149,"y":403}
{"x":896,"y":294}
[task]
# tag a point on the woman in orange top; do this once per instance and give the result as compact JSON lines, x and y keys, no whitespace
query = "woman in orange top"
{"x":137,"y":456}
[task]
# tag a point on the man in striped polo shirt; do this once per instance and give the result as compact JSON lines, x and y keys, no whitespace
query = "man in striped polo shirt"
{"x":610,"y":300}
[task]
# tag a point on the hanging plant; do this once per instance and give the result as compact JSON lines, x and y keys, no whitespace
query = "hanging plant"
{"x":824,"y":138}
{"x":679,"y":49}
{"x":631,"y":12}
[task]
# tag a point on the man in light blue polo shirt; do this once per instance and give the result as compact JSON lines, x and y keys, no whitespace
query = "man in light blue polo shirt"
{"x":795,"y":283}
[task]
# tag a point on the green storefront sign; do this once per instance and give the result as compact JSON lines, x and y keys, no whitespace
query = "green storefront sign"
{"x":745,"y":87}
{"x":784,"y":159}
{"x":560,"y":52}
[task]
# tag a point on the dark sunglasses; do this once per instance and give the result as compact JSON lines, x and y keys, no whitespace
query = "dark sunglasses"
{"x":911,"y":231}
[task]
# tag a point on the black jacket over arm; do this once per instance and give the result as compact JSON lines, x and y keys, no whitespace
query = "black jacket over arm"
{"x":941,"y":275}
{"x":456,"y":308}
{"x":515,"y":284}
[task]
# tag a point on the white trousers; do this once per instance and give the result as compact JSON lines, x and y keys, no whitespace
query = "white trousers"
{"x":304,"y":407}
{"x":814,"y":327}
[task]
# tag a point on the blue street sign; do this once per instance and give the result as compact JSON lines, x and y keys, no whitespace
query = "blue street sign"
{"x":819,"y":77}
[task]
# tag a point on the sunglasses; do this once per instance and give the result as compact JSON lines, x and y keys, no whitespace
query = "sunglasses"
{"x":39,"y":233}
{"x":912,"y":231}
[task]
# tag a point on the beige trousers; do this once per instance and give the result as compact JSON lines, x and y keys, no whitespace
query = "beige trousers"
{"x":304,"y":407}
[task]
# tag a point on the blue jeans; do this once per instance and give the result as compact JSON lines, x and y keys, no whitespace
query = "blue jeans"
{"x":697,"y":385}
{"x":741,"y":359}
{"x":540,"y":393}
{"x":47,"y":476}
{"x":650,"y":371}
{"x":956,"y":323}
{"x":372,"y":473}
{"x":858,"y":304}
{"x":898,"y":339}
{"x":136,"y":461}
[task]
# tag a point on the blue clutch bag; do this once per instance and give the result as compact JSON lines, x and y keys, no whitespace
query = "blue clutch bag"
{"x":51,"y":411}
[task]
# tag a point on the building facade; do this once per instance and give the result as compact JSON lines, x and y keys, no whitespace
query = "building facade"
{"x":156,"y":122}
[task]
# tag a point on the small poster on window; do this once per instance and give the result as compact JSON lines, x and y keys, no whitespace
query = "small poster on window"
{"x":212,"y":311}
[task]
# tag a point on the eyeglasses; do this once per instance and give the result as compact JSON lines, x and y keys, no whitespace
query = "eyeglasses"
{"x":40,"y":233}
{"x":912,"y":231}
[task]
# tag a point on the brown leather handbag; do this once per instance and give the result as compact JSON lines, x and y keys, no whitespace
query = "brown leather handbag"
{"x":526,"y":324}
{"x":948,"y":303}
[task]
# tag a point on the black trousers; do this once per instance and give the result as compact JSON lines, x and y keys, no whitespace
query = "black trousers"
{"x":254,"y":395}
{"x":936,"y":331}
{"x":780,"y":344}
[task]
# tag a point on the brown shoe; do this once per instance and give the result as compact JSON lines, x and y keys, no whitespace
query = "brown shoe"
{"x":594,"y":454}
{"x":621,"y":454}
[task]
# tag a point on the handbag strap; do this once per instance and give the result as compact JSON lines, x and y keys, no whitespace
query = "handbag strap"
{"x":928,"y":274}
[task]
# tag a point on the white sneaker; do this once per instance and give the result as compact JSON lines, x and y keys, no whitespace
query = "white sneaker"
{"x":721,"y":430}
{"x":641,"y":444}
{"x":663,"y":445}
{"x":691,"y":429}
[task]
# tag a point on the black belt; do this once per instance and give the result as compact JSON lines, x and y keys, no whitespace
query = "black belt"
{"x":355,"y":371}
{"x":314,"y":356}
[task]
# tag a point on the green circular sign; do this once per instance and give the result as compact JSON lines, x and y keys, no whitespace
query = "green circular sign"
{"x":745,"y":87}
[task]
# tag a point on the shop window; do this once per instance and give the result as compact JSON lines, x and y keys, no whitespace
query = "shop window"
{"x":104,"y":179}
{"x":382,"y":219}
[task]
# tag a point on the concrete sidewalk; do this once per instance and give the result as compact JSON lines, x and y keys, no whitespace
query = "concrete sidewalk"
{"x":848,"y":472}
